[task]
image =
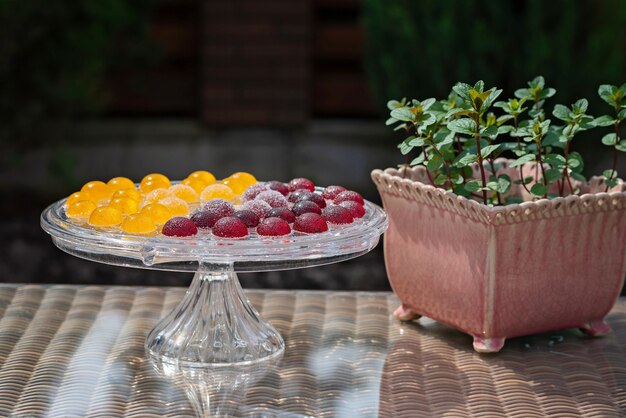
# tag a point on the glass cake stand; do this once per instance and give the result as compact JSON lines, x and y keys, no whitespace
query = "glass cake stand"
{"x":215,"y":325}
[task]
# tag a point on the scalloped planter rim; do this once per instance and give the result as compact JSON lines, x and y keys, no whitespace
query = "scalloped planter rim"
{"x":506,"y":271}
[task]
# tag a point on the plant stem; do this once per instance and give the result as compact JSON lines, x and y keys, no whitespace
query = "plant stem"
{"x":615,"y":152}
{"x":493,"y":171}
{"x":426,"y":166}
{"x":519,"y":148}
{"x":565,"y":172}
{"x":447,"y":164}
{"x":540,"y":163}
{"x":480,"y":158}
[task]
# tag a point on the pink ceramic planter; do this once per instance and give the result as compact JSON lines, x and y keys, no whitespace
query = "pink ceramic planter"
{"x":501,"y":272}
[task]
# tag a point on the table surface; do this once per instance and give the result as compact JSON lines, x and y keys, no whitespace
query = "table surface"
{"x":72,"y":351}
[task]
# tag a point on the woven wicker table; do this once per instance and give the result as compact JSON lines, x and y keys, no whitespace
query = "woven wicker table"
{"x":71,"y":351}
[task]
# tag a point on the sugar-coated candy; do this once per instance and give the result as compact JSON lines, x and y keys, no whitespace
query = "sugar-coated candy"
{"x":356,"y":210}
{"x":184,"y":192}
{"x":247,"y":217}
{"x":205,"y":219}
{"x":130,"y":193}
{"x":306,"y":206}
{"x":282,"y":213}
{"x":259,"y":207}
{"x":157,"y":212}
{"x":179,"y":226}
{"x":273,"y":198}
{"x":126,"y":205}
{"x":311,"y":223}
{"x":251,"y":192}
{"x":331,"y":192}
{"x":348,"y":195}
{"x":156,"y":195}
{"x":118,"y":183}
{"x":178,"y":207}
{"x":105,"y":217}
{"x":81,"y":209}
{"x":301,"y":183}
{"x":273,"y":227}
{"x":98,"y":190}
{"x":279,"y":186}
{"x":205,"y":177}
{"x":230,"y":227}
{"x":315,"y":198}
{"x":220,"y":207}
{"x":336,"y":214}
{"x":217,"y":191}
{"x":296,"y":195}
{"x":139,"y":224}
{"x":153,"y":181}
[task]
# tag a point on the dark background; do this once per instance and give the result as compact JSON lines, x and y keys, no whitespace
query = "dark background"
{"x":279,"y":88}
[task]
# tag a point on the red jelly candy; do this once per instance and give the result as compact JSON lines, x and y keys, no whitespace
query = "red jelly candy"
{"x":337,"y":215}
{"x":331,"y":192}
{"x":355,"y":209}
{"x":282,"y":213}
{"x":179,"y":227}
{"x":311,"y":223}
{"x":230,"y":227}
{"x":348,"y":195}
{"x":301,"y":183}
{"x":273,"y":227}
{"x":306,"y":207}
{"x":248,"y":217}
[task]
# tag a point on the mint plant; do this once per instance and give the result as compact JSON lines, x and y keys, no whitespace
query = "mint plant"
{"x":454,"y":137}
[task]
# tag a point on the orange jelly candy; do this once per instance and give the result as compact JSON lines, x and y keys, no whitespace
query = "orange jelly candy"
{"x":157,"y":212}
{"x":177,"y":206}
{"x":78,"y":196}
{"x":106,"y":217}
{"x":153,"y":181}
{"x":126,"y":205}
{"x":217,"y":191}
{"x":195,"y":184}
{"x":118,"y":183}
{"x":139,"y":224}
{"x":98,"y":190}
{"x":184,"y":192}
{"x":81,"y":209}
{"x":129,"y":193}
{"x":204,"y":176}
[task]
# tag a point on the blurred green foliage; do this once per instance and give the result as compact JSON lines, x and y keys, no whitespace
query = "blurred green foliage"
{"x":419,"y":48}
{"x":55,"y":55}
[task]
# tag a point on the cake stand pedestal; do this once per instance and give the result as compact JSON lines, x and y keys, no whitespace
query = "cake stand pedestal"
{"x":215,"y":325}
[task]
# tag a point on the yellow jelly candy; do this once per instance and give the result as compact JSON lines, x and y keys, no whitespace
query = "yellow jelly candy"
{"x":81,"y":209}
{"x":195,"y":184}
{"x":118,"y":183}
{"x":184,"y":192}
{"x":126,"y":205}
{"x":178,"y":207}
{"x":217,"y":191}
{"x":139,"y":224}
{"x":157,"y":212}
{"x":153,"y":181}
{"x":156,"y":195}
{"x":98,"y":190}
{"x":204,"y":176}
{"x":129,"y":193}
{"x":78,"y":196}
{"x":244,"y":178}
{"x":105,"y":216}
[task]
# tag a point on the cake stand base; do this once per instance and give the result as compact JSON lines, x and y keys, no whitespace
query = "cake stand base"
{"x":214,"y":326}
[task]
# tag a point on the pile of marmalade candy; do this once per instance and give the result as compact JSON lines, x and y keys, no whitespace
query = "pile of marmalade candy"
{"x":233,"y":207}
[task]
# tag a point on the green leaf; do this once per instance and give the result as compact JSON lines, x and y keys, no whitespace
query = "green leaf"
{"x":489,"y":131}
{"x":391,"y":121}
{"x":465,"y":160}
{"x":575,"y":161}
{"x":610,"y":174}
{"x":419,"y":159}
{"x":539,"y":190}
{"x":403,"y":114}
{"x":609,"y":139}
{"x":577,"y":176}
{"x":434,"y":163}
{"x":523,"y":160}
{"x":473,"y":186}
{"x":580,"y":106}
{"x":553,"y":174}
{"x":555,"y":160}
{"x":486,"y":152}
{"x":440,"y":179}
{"x":605,"y":120}
{"x":621,"y":115}
{"x":606,"y":93}
{"x":416,"y":142}
{"x":458,"y":111}
{"x":549,"y":92}
{"x":621,"y":146}
{"x":427,"y":103}
{"x":503,"y":184}
{"x":462,"y":126}
{"x":405,"y":146}
{"x":561,"y":112}
{"x":462,"y":89}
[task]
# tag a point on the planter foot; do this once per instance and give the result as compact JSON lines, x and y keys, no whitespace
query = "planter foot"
{"x":596,"y":328}
{"x":488,"y":345}
{"x":405,"y":313}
